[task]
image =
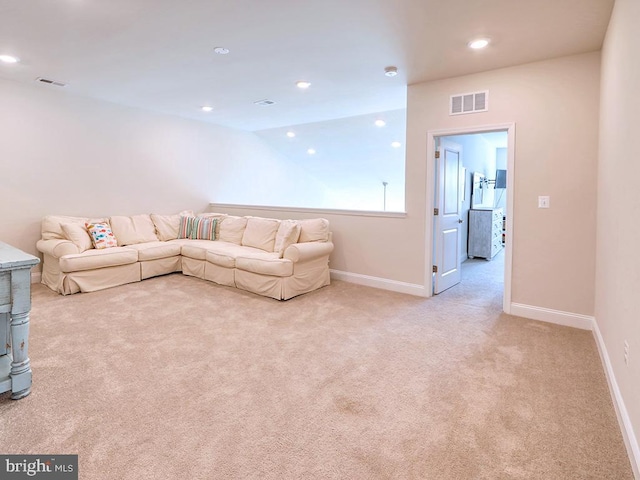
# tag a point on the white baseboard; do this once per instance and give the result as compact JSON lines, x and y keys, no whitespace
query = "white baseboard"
{"x":630,"y":440}
{"x":377,"y":282}
{"x":576,"y":320}
{"x":36,"y":277}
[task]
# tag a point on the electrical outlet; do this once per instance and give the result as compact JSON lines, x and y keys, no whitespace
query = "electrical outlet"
{"x":626,"y":353}
{"x":544,"y":201}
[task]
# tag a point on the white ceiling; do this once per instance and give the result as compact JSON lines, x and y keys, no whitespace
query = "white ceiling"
{"x":158,"y":54}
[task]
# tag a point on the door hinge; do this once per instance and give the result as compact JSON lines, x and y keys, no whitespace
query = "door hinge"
{"x":436,"y":211}
{"x":435,"y":269}
{"x":437,"y":153}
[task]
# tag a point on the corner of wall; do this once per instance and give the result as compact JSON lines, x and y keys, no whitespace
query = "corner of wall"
{"x":628,"y":435}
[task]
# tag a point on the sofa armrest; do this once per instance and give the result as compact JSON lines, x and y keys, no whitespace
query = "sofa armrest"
{"x":57,"y":248}
{"x":299,"y":252}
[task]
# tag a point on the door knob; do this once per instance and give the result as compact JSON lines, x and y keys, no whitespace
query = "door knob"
{"x":459,"y":220}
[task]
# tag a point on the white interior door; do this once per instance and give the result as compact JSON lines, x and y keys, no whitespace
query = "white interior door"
{"x":448,"y":220}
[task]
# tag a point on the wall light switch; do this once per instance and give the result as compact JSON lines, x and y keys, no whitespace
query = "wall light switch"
{"x":543,"y":202}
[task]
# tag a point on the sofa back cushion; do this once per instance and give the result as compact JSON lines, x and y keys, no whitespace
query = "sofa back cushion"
{"x":314,"y":230}
{"x":133,"y":230}
{"x":288,"y":234}
{"x":167,"y":225}
{"x":232,"y":229}
{"x":260,"y":233}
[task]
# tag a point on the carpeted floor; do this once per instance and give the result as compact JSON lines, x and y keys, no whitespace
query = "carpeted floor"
{"x":178,"y":378}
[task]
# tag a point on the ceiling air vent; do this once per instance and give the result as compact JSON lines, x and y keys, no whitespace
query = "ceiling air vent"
{"x":264,"y":103}
{"x":50,"y":82}
{"x":474,"y":102}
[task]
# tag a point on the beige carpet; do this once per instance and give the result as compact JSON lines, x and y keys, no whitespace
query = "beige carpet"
{"x":178,"y":378}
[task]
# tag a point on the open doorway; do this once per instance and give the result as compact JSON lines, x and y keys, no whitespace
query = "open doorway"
{"x":470,"y":239}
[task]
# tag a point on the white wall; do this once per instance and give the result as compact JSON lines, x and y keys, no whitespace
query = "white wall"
{"x":555,"y":154}
{"x":618,"y":234}
{"x":64,"y":154}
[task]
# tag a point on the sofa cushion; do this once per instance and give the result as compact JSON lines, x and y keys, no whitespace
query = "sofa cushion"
{"x":260,"y":233}
{"x":101,"y":235}
{"x":224,"y":254}
{"x":92,"y":259}
{"x":288,"y":234}
{"x":314,"y":230}
{"x":156,"y":250}
{"x":278,"y":267}
{"x":134,"y":229}
{"x":232,"y":229}
{"x":167,"y":226}
{"x":196,"y":249}
{"x":78,"y":234}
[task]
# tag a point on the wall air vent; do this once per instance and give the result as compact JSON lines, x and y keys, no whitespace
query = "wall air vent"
{"x":264,"y":103}
{"x":474,"y":102}
{"x":50,"y":82}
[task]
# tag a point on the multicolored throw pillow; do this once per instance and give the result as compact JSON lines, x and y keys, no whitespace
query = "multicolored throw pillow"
{"x":101,"y":235}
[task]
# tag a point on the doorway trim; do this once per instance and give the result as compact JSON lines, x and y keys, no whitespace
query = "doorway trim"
{"x":510,"y":128}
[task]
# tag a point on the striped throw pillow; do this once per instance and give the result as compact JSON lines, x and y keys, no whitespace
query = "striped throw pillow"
{"x":197,"y":228}
{"x":186,"y":223}
{"x":203,"y":229}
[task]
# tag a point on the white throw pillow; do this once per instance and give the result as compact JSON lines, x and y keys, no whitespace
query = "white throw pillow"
{"x":78,"y":234}
{"x":288,"y":234}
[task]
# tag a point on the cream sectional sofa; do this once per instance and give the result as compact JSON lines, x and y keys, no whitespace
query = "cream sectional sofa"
{"x":275,"y":258}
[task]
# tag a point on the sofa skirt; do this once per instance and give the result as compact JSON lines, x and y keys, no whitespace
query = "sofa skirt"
{"x":99,"y":279}
{"x":193,"y":267}
{"x":219,"y":275}
{"x":160,"y":266}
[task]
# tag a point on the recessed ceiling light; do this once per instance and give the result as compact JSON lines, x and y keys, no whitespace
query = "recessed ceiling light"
{"x":396,"y":144}
{"x":303,"y":84}
{"x":221,"y":50}
{"x":380,"y":123}
{"x":478,"y":43}
{"x":291,"y":134}
{"x":207,"y":108}
{"x":311,"y":151}
{"x":9,"y":59}
{"x":391,"y":71}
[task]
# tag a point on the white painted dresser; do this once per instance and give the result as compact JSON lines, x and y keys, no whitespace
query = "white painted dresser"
{"x":485,"y":232}
{"x":15,"y":304}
